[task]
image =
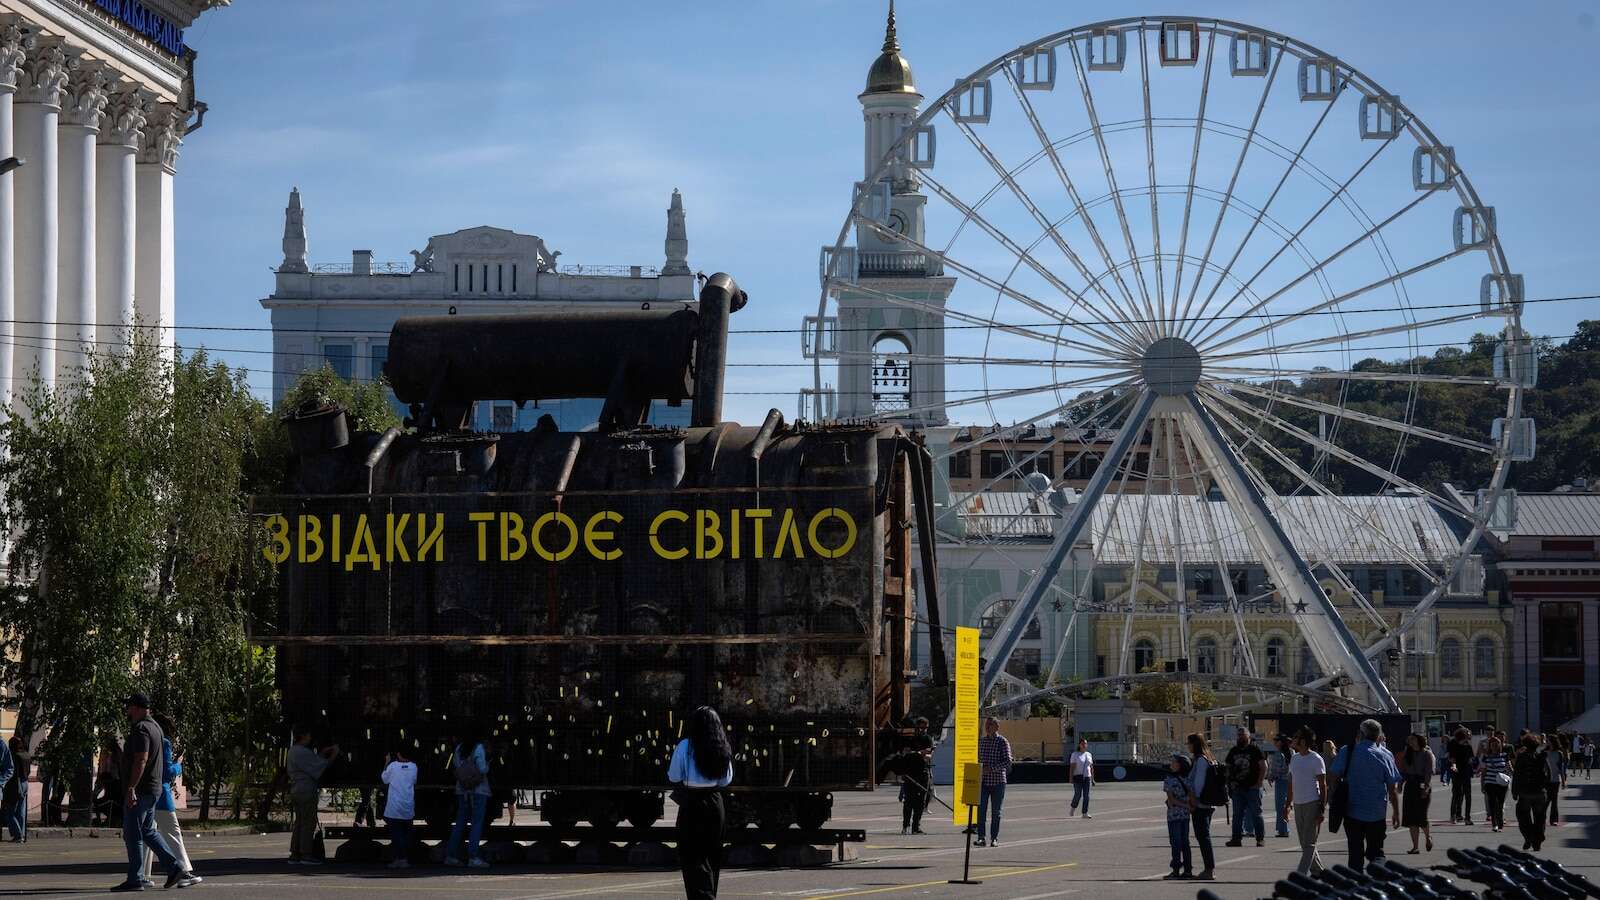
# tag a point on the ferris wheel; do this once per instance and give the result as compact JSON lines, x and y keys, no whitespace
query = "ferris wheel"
{"x":1237,"y":254}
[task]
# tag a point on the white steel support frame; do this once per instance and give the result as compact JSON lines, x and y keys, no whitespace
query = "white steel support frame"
{"x":1330,"y":639}
{"x":1011,"y":629}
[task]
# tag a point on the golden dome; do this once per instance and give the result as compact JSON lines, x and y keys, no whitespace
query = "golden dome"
{"x":890,"y":73}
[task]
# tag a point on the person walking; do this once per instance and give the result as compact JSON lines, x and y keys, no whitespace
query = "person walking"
{"x":914,"y":780}
{"x":16,"y":790}
{"x":1210,"y":791}
{"x":1247,"y":768}
{"x":1417,"y":767}
{"x":1370,"y":776}
{"x":166,"y":813}
{"x":1458,"y":754}
{"x":306,"y":765}
{"x":994,"y":755}
{"x":471,"y":764}
{"x":105,"y":799}
{"x":702,"y":765}
{"x":1328,"y":752}
{"x":1278,"y":777}
{"x":400,"y":807}
{"x":1529,"y":776}
{"x":1494,"y":769}
{"x":141,"y":784}
{"x":1180,"y":804}
{"x":1080,"y":767}
{"x":1308,"y":797}
{"x":1555,"y":763}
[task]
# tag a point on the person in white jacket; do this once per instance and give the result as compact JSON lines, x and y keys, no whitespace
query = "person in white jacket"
{"x":400,"y":774}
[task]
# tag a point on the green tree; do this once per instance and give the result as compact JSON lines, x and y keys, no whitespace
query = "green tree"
{"x":1166,"y":696}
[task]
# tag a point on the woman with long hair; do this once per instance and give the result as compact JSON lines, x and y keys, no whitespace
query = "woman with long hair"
{"x":702,"y":765}
{"x":1494,"y":767}
{"x":1555,"y":759}
{"x":1202,"y":768}
{"x":470,"y":763}
{"x":1417,"y":766}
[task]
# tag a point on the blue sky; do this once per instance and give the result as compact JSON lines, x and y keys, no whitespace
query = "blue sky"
{"x":575,"y":121}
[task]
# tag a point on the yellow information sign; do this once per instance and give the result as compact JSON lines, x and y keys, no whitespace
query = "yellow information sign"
{"x":966,"y":721}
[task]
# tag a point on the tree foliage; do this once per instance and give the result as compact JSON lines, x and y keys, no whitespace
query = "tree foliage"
{"x":1167,"y":696}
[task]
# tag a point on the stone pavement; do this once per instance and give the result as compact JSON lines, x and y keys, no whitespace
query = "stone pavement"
{"x":1121,"y":852}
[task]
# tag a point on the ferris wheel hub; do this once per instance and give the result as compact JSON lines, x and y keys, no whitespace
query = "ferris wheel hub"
{"x":1171,"y":367}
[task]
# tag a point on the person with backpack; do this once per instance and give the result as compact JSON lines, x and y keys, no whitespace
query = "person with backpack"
{"x":702,"y":765}
{"x":471,"y":765}
{"x":1308,"y":797}
{"x":1210,"y":790}
{"x":400,"y":776}
{"x":1180,"y":804}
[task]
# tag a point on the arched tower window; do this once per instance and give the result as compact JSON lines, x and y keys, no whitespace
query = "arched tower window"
{"x":891,"y":375}
{"x":1144,"y":655}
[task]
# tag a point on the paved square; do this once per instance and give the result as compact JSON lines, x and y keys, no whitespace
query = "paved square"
{"x":1121,"y":852}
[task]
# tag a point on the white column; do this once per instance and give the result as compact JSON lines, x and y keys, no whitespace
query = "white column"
{"x":87,"y":92}
{"x":38,"y":104}
{"x":155,"y":294}
{"x":10,"y":60}
{"x":115,"y":218}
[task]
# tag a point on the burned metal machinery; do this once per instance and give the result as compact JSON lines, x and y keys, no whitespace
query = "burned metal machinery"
{"x":571,"y":597}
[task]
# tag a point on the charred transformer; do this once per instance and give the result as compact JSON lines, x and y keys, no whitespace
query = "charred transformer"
{"x":574,"y":595}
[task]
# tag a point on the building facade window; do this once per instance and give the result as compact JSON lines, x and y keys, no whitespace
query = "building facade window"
{"x":1449,"y":658}
{"x":1044,"y":464}
{"x":1413,"y":666}
{"x":505,"y":418}
{"x":1485,"y":659}
{"x":1560,"y":625}
{"x":994,"y":463}
{"x":1204,"y":582}
{"x":1308,"y":671}
{"x":1144,"y":655}
{"x":1024,"y":663}
{"x":961,"y":464}
{"x":1205,"y":656}
{"x":1559,"y":705}
{"x":1275,"y":657}
{"x":377,"y":355}
{"x":891,"y":375}
{"x":340,"y":358}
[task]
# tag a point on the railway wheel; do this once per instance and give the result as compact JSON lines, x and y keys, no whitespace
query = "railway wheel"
{"x":645,"y":809}
{"x":776,"y":813}
{"x":813,"y":811}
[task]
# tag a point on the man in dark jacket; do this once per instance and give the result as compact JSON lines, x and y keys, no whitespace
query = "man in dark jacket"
{"x":914,"y":777}
{"x":1528,"y":777}
{"x":1460,"y":760}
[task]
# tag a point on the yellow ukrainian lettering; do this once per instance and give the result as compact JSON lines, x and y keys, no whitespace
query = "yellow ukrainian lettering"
{"x":788,"y":531}
{"x":759,"y":517}
{"x":572,"y":536}
{"x":707,"y":525}
{"x":430,"y":539}
{"x":592,"y":533}
{"x":511,"y":530}
{"x":482,"y":519}
{"x":675,"y":515}
{"x":277,"y":549}
{"x":310,"y":536}
{"x":394,"y":545}
{"x":362,"y":549}
{"x":733,"y":534}
{"x":336,"y":544}
{"x":849,"y":533}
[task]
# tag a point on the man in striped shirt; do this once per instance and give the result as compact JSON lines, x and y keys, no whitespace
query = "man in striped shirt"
{"x":994,"y":755}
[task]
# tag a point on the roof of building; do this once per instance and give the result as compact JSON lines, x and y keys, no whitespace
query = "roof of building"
{"x":1344,"y":530}
{"x":890,"y":72}
{"x":1557,"y":515}
{"x":1008,"y":515}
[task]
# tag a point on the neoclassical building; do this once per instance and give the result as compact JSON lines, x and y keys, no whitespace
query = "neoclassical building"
{"x":96,"y":97}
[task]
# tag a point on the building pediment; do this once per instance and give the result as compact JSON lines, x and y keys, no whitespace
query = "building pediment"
{"x":487,"y":244}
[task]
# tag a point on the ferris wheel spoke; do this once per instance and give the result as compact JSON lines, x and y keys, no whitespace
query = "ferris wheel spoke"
{"x":1177,"y":548}
{"x":1163,"y":328}
{"x":1111,"y":178}
{"x":1132,"y":601}
{"x":1001,"y":433}
{"x":1012,"y":393}
{"x":1194,"y":170}
{"x":1338,"y":195}
{"x":1012,"y":469}
{"x":1080,"y":210}
{"x":1233,"y":183}
{"x":945,"y":312}
{"x":1364,"y":418}
{"x":1002,"y":361}
{"x":1113,"y":333}
{"x":1341,"y":375}
{"x":986,"y":281}
{"x":1248,"y":436}
{"x":1227,"y":324}
{"x":1325,"y":632}
{"x":1011,"y":629}
{"x":1312,"y":343}
{"x":1399,"y":481}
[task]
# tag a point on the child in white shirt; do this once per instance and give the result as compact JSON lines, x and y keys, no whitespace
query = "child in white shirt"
{"x":401,"y":776}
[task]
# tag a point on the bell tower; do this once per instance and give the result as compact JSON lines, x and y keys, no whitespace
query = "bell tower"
{"x":890,"y":353}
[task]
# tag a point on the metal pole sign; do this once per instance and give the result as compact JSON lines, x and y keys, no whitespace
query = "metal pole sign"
{"x":968,"y":786}
{"x":966,"y":720}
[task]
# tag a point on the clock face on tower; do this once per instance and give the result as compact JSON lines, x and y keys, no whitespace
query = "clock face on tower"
{"x":897,"y":221}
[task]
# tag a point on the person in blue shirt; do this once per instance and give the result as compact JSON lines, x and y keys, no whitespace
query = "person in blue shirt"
{"x":166,"y":814}
{"x":702,"y":764}
{"x":471,"y":765}
{"x":8,"y":770}
{"x":1371,"y":776}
